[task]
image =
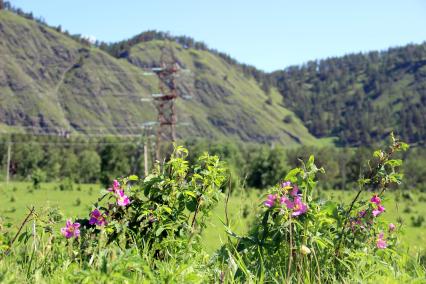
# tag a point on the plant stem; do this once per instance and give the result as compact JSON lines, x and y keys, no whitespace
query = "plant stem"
{"x":290,"y":255}
{"x":20,"y":229}
{"x":197,"y":208}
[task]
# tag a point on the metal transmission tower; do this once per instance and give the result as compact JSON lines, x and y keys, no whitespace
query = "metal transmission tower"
{"x":165,"y":100}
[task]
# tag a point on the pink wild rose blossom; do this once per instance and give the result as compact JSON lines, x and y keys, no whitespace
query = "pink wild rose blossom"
{"x":392,"y":227}
{"x":288,"y":203}
{"x":378,"y":211}
{"x":381,"y":242}
{"x":299,"y":207}
{"x":295,"y":191}
{"x":376,"y":199}
{"x":71,"y":229}
{"x":270,"y":200}
{"x":115,"y":187}
{"x":122,"y":199}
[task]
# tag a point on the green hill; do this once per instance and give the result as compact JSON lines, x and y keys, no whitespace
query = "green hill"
{"x":50,"y":81}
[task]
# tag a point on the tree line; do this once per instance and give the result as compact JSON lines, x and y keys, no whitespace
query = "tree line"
{"x":250,"y":165}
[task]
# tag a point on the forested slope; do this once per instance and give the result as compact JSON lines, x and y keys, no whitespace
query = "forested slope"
{"x":360,"y":98}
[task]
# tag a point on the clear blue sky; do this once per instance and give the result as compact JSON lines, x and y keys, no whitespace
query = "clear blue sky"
{"x":269,"y":34}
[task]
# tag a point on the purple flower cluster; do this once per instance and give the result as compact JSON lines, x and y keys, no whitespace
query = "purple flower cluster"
{"x":376,"y":210}
{"x":97,"y":218}
{"x":291,"y":200}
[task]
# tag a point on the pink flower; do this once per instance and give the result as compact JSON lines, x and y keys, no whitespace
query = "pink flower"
{"x":71,"y":229}
{"x":115,"y":184}
{"x":288,"y":203}
{"x":380,"y":242}
{"x":392,"y":227}
{"x":378,"y":211}
{"x":115,"y":187}
{"x":96,"y":218}
{"x":270,"y":201}
{"x":294,"y":192}
{"x":376,"y":199}
{"x":122,"y":199}
{"x":299,"y":207}
{"x":362,"y":213}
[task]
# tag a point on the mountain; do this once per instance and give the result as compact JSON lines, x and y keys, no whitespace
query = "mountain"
{"x":50,"y":81}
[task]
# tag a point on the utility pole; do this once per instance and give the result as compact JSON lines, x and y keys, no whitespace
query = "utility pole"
{"x":9,"y":152}
{"x":145,"y":157}
{"x":147,"y":128}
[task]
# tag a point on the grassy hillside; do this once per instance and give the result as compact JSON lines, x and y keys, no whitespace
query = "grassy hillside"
{"x":50,"y":81}
{"x":224,"y":99}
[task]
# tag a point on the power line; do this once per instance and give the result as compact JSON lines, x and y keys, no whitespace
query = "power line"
{"x":71,"y":134}
{"x":134,"y":69}
{"x":68,"y":143}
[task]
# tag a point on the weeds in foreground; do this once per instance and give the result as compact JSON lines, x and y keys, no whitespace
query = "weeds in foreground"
{"x":149,"y":230}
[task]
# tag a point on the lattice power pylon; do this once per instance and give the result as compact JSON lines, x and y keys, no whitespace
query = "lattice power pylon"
{"x":165,"y":101}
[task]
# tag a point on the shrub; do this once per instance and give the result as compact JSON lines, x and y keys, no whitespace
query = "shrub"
{"x":37,"y":177}
{"x":162,"y":213}
{"x":66,"y":185}
{"x":299,"y":239}
{"x":417,"y":221}
{"x":288,"y":119}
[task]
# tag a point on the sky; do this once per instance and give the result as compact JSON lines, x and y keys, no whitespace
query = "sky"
{"x":269,"y":34}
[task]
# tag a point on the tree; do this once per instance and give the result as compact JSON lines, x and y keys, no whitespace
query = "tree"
{"x":90,"y":166}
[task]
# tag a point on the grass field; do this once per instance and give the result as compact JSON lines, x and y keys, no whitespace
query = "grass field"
{"x":17,"y":197}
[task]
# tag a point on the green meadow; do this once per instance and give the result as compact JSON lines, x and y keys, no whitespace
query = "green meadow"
{"x":405,"y":208}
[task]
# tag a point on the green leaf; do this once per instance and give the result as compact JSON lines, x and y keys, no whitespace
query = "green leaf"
{"x":133,"y":178}
{"x":167,"y":209}
{"x":159,"y":231}
{"x":292,"y":174}
{"x":329,"y":208}
{"x":404,"y":146}
{"x":191,"y":205}
{"x":310,"y":161}
{"x":378,"y":153}
{"x":190,"y":193}
{"x":394,"y":163}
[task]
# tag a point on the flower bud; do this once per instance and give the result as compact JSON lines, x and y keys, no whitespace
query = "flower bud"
{"x":305,"y":250}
